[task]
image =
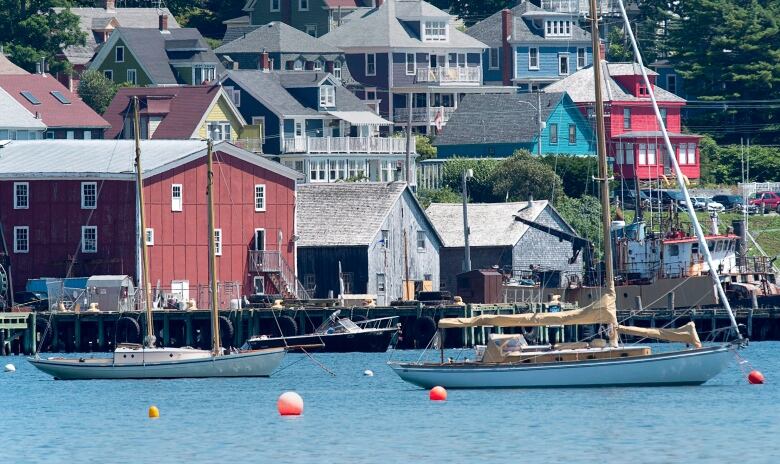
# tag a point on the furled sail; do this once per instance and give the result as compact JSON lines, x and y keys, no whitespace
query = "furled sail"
{"x":684,"y":334}
{"x":600,"y":312}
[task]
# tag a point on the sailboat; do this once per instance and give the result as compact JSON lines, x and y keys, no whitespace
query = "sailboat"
{"x":133,"y":361}
{"x":508,"y":361}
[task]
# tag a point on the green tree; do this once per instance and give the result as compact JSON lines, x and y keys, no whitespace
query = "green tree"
{"x":617,"y":47}
{"x":480,"y":187}
{"x":96,"y":90}
{"x":724,"y":164}
{"x":576,"y":172}
{"x":524,"y":175}
{"x":442,"y":195}
{"x":473,"y":11}
{"x":424,"y":148}
{"x":584,"y":215}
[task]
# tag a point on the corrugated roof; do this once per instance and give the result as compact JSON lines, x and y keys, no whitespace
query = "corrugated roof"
{"x":14,"y":116}
{"x":491,"y":224}
{"x":277,"y":37}
{"x":52,"y":112}
{"x":497,"y":118}
{"x":345,"y":213}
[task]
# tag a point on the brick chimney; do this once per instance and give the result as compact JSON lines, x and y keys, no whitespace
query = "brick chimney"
{"x":163,"y":22}
{"x":602,"y":51}
{"x":506,"y":48}
{"x":265,"y":62}
{"x":110,"y":5}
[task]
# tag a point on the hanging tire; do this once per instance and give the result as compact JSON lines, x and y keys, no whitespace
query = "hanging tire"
{"x":424,"y":330}
{"x":128,"y":330}
{"x":287,"y":325}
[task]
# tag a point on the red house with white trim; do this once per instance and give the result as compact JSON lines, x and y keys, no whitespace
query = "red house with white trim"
{"x":634,"y":137}
{"x":68,"y":209}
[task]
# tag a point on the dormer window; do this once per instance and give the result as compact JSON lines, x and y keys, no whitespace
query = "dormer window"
{"x":643,"y":92}
{"x":327,"y":96}
{"x":298,"y":65}
{"x":557,"y":28}
{"x":435,"y":31}
{"x":317,"y":65}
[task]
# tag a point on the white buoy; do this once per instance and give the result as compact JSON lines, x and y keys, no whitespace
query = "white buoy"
{"x":10,"y":368}
{"x":368,"y":373}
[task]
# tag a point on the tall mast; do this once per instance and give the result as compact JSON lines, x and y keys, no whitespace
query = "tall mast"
{"x":150,"y":339}
{"x":212,"y":251}
{"x":609,"y":275}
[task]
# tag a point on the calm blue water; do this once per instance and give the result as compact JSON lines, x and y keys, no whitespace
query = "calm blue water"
{"x":352,"y":418}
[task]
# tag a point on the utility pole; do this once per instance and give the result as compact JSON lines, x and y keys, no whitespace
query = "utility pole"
{"x":467,"y":259}
{"x":408,"y":174}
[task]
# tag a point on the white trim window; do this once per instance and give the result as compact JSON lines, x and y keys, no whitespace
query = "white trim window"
{"x":619,"y":154}
{"x":563,"y":64}
{"x":259,"y":197}
{"x":149,"y":236}
{"x":533,"y":58}
{"x":89,"y":239}
{"x":311,"y":29}
{"x":380,"y":283}
{"x":108,"y":74}
{"x":203,"y":73}
{"x":327,"y":96}
{"x":219,"y":130}
{"x":651,"y":152}
{"x":21,"y":239}
{"x":317,"y":65}
{"x":119,"y":54}
{"x":275,"y":7}
{"x":370,"y":64}
{"x":626,"y":118}
{"x":582,"y":58}
{"x":630,"y":153}
{"x":553,"y":136}
{"x":493,"y":58}
{"x":258,"y":241}
{"x":89,"y":195}
{"x":421,"y":241}
{"x":132,"y":76}
{"x":337,"y":69}
{"x":642,"y":154}
{"x":411,"y":64}
{"x":303,"y":5}
{"x":218,"y":242}
{"x":298,"y":65}
{"x":176,"y":197}
{"x":435,"y":31}
{"x":664,"y":114}
{"x":385,"y":238}
{"x":691,"y":153}
{"x":21,"y":195}
{"x":557,"y":28}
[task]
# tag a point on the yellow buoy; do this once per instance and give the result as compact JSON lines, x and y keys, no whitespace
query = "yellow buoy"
{"x":154,"y":413}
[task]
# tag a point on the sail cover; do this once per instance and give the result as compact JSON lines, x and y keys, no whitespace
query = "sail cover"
{"x":684,"y":334}
{"x":600,"y":312}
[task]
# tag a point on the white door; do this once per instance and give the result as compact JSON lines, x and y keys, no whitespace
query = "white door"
{"x":258,"y":282}
{"x":181,"y":289}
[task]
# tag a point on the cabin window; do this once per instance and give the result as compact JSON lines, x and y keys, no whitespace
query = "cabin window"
{"x":21,"y":195}
{"x":533,"y":58}
{"x":581,"y":58}
{"x":626,"y":118}
{"x":553,"y":133}
{"x":695,"y":248}
{"x":260,"y":197}
{"x":88,"y":195}
{"x":380,"y":283}
{"x":493,"y":58}
{"x":119,"y":54}
{"x":572,"y":134}
{"x":719,"y":246}
{"x":421,"y":240}
{"x":674,"y":250}
{"x":563,"y":64}
{"x":218,"y":242}
{"x":385,"y":240}
{"x":89,"y":237}
{"x":275,"y":5}
{"x":176,"y":197}
{"x":411,"y":65}
{"x":370,"y":64}
{"x":711,"y":246}
{"x":21,"y":239}
{"x":435,"y":31}
{"x":149,"y":236}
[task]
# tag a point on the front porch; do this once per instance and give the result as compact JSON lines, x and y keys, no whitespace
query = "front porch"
{"x":342,"y":167}
{"x":348,"y":145}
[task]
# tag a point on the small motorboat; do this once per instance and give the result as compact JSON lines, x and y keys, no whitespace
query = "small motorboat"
{"x":336,"y":335}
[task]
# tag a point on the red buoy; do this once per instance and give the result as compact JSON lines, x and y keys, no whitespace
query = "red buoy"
{"x":438,"y":394}
{"x":756,"y":377}
{"x":290,"y":404}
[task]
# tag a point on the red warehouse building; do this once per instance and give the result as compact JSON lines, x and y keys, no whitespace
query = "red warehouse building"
{"x":634,"y":137}
{"x":68,"y":208}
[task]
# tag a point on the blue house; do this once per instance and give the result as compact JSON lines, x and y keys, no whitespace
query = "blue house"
{"x":496,"y":125}
{"x":531,"y":47}
{"x":668,"y":79}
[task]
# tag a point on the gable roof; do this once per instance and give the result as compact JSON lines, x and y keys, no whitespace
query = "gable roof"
{"x":327,"y":4}
{"x":52,"y":112}
{"x":97,"y":18}
{"x":386,"y":27}
{"x":14,"y":116}
{"x":580,"y":85}
{"x":8,"y":67}
{"x":157,"y":51}
{"x":274,"y":37}
{"x":489,"y":29}
{"x":497,"y":118}
{"x":490,"y":224}
{"x":182,"y":108}
{"x":113,"y":158}
{"x":346,"y":213}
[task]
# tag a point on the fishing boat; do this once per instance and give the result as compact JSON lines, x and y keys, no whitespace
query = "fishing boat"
{"x":508,"y":361}
{"x":337,"y":335}
{"x":150,"y":362}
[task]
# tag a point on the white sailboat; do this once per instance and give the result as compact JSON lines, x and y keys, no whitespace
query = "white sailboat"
{"x":132,"y":361}
{"x":509,"y":362}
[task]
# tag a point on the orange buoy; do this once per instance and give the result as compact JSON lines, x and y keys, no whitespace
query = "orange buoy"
{"x":438,"y":394}
{"x":154,"y":413}
{"x":756,"y":377}
{"x":290,"y":404}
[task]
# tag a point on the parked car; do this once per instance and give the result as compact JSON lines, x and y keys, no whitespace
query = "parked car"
{"x":628,"y":198}
{"x":766,"y":201}
{"x":705,"y":204}
{"x":735,"y":203}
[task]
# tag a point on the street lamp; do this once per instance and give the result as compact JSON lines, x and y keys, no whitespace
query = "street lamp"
{"x":540,"y":124}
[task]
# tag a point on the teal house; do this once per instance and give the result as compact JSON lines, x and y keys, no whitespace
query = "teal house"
{"x":495,"y":125}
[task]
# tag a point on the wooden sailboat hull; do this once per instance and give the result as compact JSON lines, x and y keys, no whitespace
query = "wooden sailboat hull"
{"x":689,"y":367}
{"x":259,"y":363}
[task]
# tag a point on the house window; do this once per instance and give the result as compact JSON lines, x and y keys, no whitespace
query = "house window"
{"x":327,"y":96}
{"x":119,"y":54}
{"x":149,"y":236}
{"x":691,"y":153}
{"x":317,"y":65}
{"x":275,"y":5}
{"x":493,"y":58}
{"x":370,"y":64}
{"x":380,"y":283}
{"x":581,"y":58}
{"x":435,"y":31}
{"x":21,"y":239}
{"x":298,"y":65}
{"x":88,"y":195}
{"x":619,"y":154}
{"x":203,"y":73}
{"x":259,"y":241}
{"x":643,"y":90}
{"x":553,"y":134}
{"x":411,"y":64}
{"x":132,"y":77}
{"x":89,"y":239}
{"x":337,"y":69}
{"x":70,"y":135}
{"x":626,"y":118}
{"x":533,"y":58}
{"x":218,"y":242}
{"x":303,"y":5}
{"x":629,"y":153}
{"x":642,"y":153}
{"x":385,"y":240}
{"x":311,"y":29}
{"x":298,"y":129}
{"x":572,"y":134}
{"x":420,"y":240}
{"x":651,"y":151}
{"x":563,"y":64}
{"x":87,"y":135}
{"x":260,"y":197}
{"x":109,"y":73}
{"x":176,"y":197}
{"x":21,"y":195}
{"x":219,"y":130}
{"x":671,"y":83}
{"x":557,"y":28}
{"x":663,"y":116}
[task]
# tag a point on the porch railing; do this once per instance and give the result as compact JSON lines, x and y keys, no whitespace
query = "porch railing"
{"x":345,"y":145}
{"x":454,"y":75}
{"x":261,"y":261}
{"x":425,"y":115}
